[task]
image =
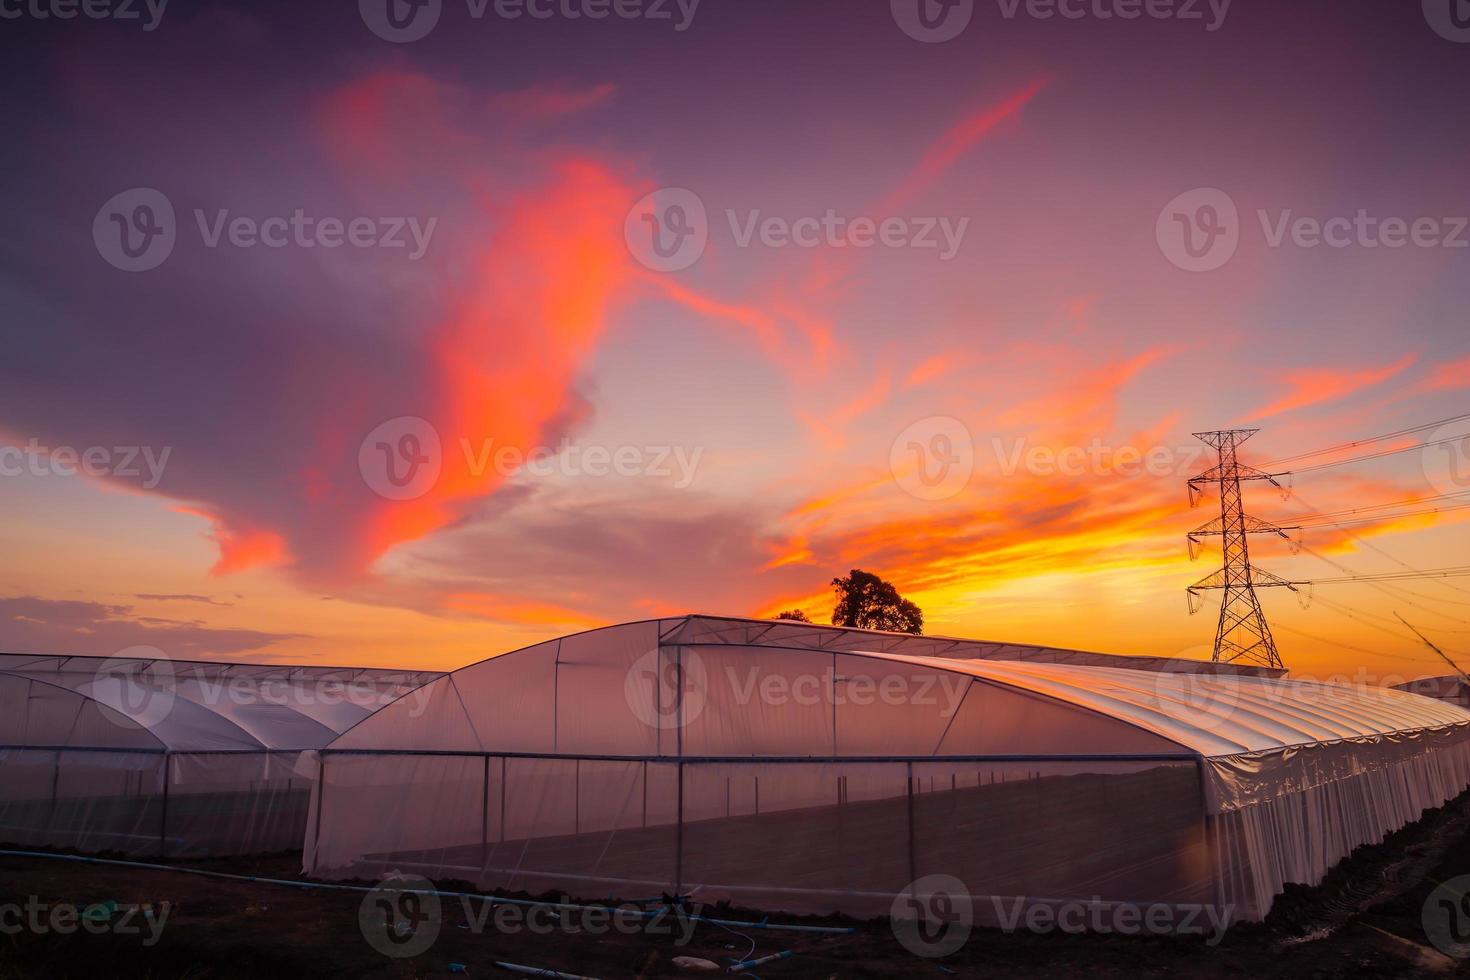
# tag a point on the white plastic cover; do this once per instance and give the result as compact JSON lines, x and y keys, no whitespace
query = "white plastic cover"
{"x":809,"y":768}
{"x":201,"y":706}
{"x":158,"y":757}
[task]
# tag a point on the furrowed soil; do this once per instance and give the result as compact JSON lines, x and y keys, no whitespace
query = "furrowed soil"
{"x":1365,"y":920}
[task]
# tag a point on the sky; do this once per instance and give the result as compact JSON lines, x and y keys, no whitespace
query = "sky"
{"x":405,"y":335}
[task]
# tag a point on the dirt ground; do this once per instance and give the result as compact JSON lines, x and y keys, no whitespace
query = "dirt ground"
{"x":1364,"y":921}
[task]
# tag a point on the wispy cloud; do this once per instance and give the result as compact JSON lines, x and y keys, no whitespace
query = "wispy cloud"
{"x":30,"y":624}
{"x":1317,"y":386}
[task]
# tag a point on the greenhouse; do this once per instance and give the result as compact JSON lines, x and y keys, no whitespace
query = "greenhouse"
{"x":1453,"y":688}
{"x":801,"y":768}
{"x":150,"y":756}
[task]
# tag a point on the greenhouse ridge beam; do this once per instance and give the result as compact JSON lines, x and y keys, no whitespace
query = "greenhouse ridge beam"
{"x":695,"y":630}
{"x":763,"y":759}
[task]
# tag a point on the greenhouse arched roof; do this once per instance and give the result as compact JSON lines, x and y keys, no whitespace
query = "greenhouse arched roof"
{"x":606,"y":691}
{"x":160,"y":704}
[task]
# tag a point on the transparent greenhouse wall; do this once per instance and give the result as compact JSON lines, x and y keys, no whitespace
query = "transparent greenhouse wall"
{"x":798,"y":837}
{"x":207,"y":765}
{"x":208,"y":805}
{"x":86,"y":800}
{"x":236,"y":803}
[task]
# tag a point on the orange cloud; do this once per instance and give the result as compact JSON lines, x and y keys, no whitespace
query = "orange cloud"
{"x":829,"y":428}
{"x":1006,"y":526}
{"x":932,"y":369}
{"x":1087,"y":400}
{"x":518,"y":611}
{"x":657,"y":607}
{"x":959,"y":140}
{"x":1317,"y":385}
{"x":756,"y":320}
{"x":1450,"y":375}
{"x":513,"y":342}
{"x":1037,"y":529}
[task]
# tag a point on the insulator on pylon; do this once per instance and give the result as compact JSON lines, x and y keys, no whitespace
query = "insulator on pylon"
{"x":1304,"y":597}
{"x":1194,"y":601}
{"x":1193,"y":549}
{"x":1295,"y":543}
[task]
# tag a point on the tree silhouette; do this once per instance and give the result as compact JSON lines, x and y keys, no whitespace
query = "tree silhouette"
{"x":866,"y":601}
{"x":795,"y":614}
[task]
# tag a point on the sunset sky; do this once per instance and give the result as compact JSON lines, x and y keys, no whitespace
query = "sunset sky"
{"x":763,"y":400}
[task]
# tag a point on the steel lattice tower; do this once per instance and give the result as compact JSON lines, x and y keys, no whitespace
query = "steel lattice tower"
{"x":1243,"y":633}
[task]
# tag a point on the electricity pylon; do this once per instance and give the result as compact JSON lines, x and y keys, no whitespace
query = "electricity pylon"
{"x":1243,"y":634}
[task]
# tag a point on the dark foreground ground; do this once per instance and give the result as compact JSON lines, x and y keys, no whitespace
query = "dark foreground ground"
{"x":1364,"y":921}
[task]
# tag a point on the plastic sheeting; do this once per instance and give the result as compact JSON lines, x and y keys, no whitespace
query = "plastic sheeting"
{"x":192,"y":705}
{"x":156,"y":757}
{"x":89,"y":801}
{"x":817,"y":769}
{"x":1290,"y":815}
{"x":1221,"y":714}
{"x":1452,"y":688}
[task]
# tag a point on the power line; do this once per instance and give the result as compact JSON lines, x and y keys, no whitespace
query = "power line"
{"x":1456,"y":667}
{"x":1411,"y":502}
{"x":1403,"y":564}
{"x":1243,"y":633}
{"x":1455,"y":571}
{"x":1418,"y":447}
{"x":1332,"y":606}
{"x":1385,"y":619}
{"x":1374,"y":578}
{"x":1348,"y":646}
{"x":1387,"y":590}
{"x":1353,"y":615}
{"x":1363,"y":442}
{"x":1383,"y":518}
